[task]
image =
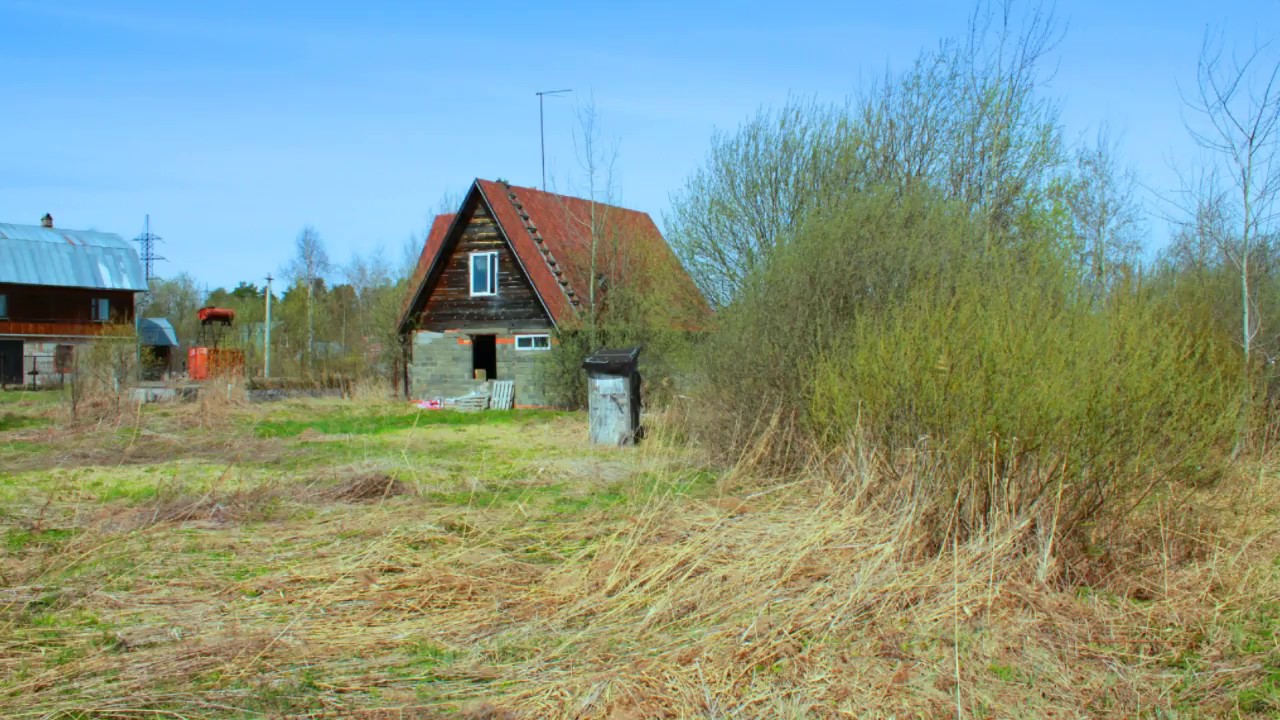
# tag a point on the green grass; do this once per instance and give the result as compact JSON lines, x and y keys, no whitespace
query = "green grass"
{"x":424,"y":658}
{"x":131,"y":484}
{"x":26,"y":409}
{"x":1257,"y":634}
{"x":30,"y":397}
{"x":16,"y":539}
{"x":1264,"y":697}
{"x":16,"y":449}
{"x":14,"y":421}
{"x":350,"y":423}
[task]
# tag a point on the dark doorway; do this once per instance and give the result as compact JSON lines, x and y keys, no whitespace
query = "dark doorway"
{"x":10,"y":362}
{"x":156,"y":362}
{"x":484,"y":356}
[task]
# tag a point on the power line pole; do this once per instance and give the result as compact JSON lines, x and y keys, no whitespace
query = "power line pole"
{"x":266,"y":343}
{"x":147,"y":246}
{"x":542,"y":134}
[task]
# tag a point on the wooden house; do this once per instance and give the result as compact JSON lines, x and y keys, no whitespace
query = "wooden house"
{"x":60,"y":289}
{"x":511,"y":266}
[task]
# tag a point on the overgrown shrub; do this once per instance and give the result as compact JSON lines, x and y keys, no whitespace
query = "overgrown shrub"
{"x":103,"y":371}
{"x":860,"y":257}
{"x":648,"y":305}
{"x":664,"y":361}
{"x":902,"y":323}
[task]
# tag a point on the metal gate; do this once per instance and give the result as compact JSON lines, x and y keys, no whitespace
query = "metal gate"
{"x":41,"y":371}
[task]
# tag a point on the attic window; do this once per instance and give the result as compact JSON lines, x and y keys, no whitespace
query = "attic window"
{"x":484,"y":273}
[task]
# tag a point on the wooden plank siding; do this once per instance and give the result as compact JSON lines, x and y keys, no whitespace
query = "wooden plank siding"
{"x":49,"y":304}
{"x":63,"y":329}
{"x":451,"y":306}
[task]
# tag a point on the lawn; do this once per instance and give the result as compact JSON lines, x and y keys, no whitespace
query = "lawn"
{"x":333,"y":559}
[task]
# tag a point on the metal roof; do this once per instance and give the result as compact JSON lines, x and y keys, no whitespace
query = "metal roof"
{"x":34,"y":255}
{"x":157,"y":332}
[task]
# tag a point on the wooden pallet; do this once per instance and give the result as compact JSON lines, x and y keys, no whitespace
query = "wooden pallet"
{"x":503,"y":394}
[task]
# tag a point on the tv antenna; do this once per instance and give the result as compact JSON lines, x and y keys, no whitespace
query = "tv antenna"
{"x":542,"y":133}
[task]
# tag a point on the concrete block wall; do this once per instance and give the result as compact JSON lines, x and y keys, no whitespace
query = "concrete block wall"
{"x":442,"y":367}
{"x":522,"y":366}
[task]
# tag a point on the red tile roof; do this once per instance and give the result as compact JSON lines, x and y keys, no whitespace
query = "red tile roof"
{"x":430,"y":248}
{"x":551,"y":236}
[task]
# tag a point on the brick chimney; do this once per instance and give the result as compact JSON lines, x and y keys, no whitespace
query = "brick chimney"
{"x":46,"y":221}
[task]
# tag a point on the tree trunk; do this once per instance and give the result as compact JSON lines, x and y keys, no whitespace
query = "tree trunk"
{"x":311,"y":326}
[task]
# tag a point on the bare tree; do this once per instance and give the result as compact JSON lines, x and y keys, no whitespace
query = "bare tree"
{"x":177,"y":298}
{"x":309,"y":265}
{"x":1196,"y":248}
{"x":410,"y":254}
{"x":1236,"y":120}
{"x":966,"y":119}
{"x":757,"y":185}
{"x":596,"y":157}
{"x":1003,"y":136}
{"x":448,"y":204}
{"x":411,"y":249}
{"x":379,"y":293}
{"x":368,"y":274}
{"x":1105,"y":215}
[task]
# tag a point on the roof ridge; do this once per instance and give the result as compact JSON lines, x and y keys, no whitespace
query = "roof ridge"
{"x":540,"y":243}
{"x":19,"y":232}
{"x":564,"y":196}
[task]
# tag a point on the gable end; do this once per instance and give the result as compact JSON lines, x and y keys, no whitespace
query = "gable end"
{"x":444,"y":299}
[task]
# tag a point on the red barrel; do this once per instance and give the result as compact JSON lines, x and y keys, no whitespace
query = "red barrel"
{"x":198,"y":363}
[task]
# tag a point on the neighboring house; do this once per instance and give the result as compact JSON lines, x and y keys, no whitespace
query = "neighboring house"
{"x":59,"y":289}
{"x":511,"y":266}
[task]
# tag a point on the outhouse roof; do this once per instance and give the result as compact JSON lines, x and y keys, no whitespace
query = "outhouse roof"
{"x":157,"y":332}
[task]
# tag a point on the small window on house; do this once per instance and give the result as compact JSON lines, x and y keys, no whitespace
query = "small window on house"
{"x":484,"y":273}
{"x":100,"y":309}
{"x":4,"y":305}
{"x":533,"y":342}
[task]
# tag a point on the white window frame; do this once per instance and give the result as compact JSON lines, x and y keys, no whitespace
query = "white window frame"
{"x":96,"y":305}
{"x":490,"y":258}
{"x":532,"y":345}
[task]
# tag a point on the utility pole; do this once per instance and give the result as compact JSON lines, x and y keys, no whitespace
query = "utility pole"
{"x":147,"y":245}
{"x":542,"y":133}
{"x":266,"y":343}
{"x":147,"y":242}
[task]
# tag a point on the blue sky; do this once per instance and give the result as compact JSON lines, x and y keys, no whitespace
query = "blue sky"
{"x":235,"y":123}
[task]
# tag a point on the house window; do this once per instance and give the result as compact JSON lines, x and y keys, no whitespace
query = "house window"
{"x":100,"y":309}
{"x":484,"y":273}
{"x":4,"y":305}
{"x":533,"y":342}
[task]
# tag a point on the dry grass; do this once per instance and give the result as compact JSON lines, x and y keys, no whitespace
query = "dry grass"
{"x":504,"y":571}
